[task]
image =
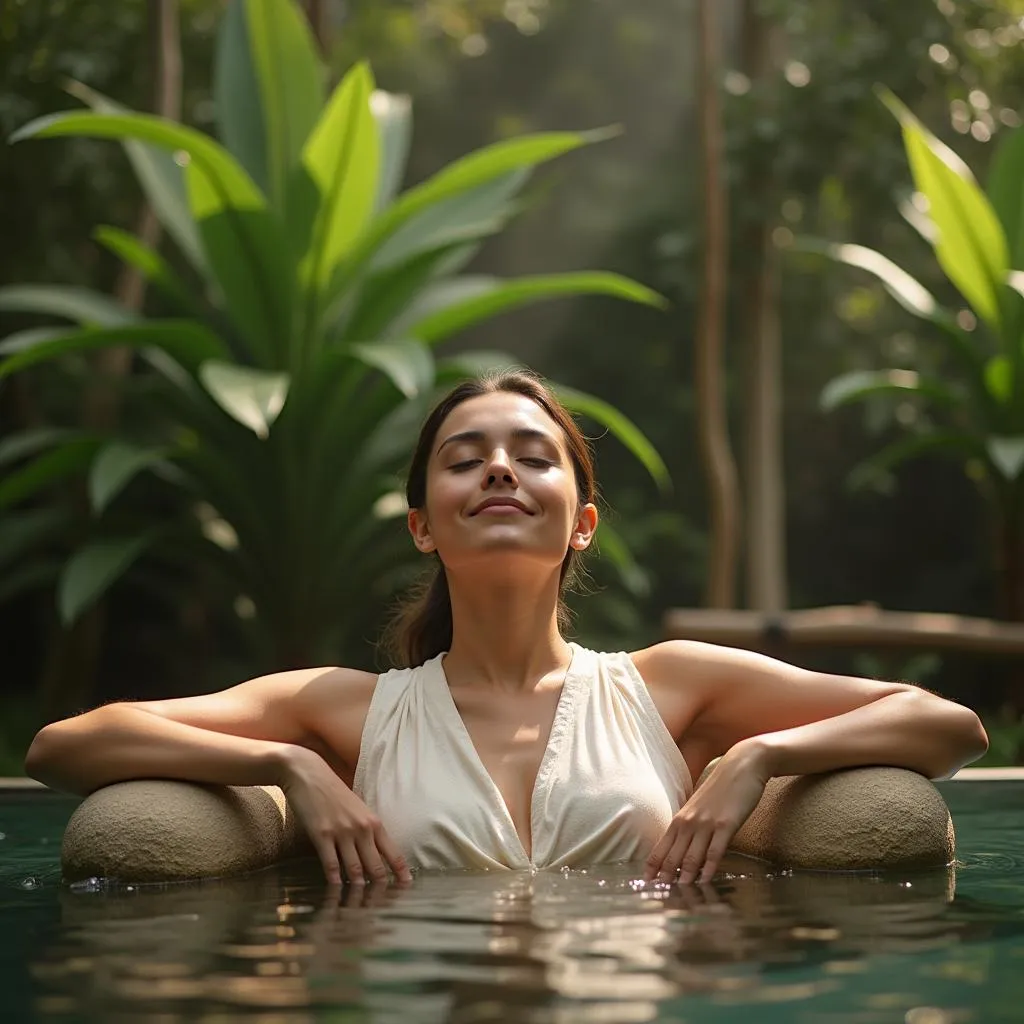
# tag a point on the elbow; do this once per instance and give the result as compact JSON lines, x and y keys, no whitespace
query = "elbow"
{"x":40,"y":755}
{"x":975,"y":736}
{"x":58,"y":751}
{"x":965,"y":739}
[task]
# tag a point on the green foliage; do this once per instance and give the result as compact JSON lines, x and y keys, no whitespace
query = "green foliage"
{"x":977,"y":414}
{"x":280,"y":404}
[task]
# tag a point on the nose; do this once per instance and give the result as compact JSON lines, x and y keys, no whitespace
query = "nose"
{"x":499,"y":467}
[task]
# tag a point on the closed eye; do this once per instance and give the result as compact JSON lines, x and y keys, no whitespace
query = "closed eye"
{"x":538,"y":463}
{"x":458,"y":467}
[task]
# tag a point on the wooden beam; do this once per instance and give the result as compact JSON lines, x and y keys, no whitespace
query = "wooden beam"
{"x":846,"y":626}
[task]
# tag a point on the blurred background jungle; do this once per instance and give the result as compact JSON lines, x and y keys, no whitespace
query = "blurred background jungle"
{"x":770,"y":251}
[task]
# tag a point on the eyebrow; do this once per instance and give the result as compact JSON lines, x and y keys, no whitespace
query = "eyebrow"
{"x":519,"y":434}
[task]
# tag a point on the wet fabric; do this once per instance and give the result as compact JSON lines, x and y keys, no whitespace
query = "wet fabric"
{"x":610,"y":780}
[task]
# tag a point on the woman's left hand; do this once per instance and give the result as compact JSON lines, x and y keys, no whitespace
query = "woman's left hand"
{"x":700,"y":833}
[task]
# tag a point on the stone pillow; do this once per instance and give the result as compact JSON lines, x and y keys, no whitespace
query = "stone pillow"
{"x":162,"y":830}
{"x":156,"y":830}
{"x":857,"y":819}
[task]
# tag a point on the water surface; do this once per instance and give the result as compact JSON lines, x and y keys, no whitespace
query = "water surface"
{"x":593,"y":946}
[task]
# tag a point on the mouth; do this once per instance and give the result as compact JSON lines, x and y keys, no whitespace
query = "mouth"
{"x":501,"y":506}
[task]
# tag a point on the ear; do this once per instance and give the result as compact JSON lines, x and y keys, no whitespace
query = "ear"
{"x":419,"y":527}
{"x":584,"y":528}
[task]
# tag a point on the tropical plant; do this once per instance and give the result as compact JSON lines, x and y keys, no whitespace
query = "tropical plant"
{"x":281,"y":402}
{"x":976,"y":412}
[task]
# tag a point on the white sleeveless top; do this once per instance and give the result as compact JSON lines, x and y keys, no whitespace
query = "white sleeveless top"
{"x":609,"y":783}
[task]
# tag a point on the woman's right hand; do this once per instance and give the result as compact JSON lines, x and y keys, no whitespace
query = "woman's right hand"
{"x":347,"y":835}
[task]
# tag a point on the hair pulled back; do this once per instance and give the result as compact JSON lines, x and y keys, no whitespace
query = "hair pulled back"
{"x":422,"y":626}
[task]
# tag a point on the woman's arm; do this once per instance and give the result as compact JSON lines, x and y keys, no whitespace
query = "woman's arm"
{"x":239,"y":736}
{"x":267,"y":731}
{"x":712,"y":698}
{"x":765,"y":718}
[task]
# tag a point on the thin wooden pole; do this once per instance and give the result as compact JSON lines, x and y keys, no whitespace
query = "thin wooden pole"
{"x":712,"y":418}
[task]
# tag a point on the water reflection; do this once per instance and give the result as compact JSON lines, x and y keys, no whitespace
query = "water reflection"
{"x":549,"y":947}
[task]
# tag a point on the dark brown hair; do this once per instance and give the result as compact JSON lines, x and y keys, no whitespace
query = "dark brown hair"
{"x":422,"y":626}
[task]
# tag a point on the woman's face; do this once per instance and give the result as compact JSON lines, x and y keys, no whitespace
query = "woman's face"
{"x":501,"y":483}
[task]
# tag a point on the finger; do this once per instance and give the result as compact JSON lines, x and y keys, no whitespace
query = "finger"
{"x":351,"y":861}
{"x":670,"y":865}
{"x":695,"y":857}
{"x":328,"y":855}
{"x":373,"y":866}
{"x":661,"y":848}
{"x":716,"y":851}
{"x":391,"y":854}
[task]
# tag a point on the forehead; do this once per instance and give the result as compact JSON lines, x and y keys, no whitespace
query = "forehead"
{"x":497,"y":415}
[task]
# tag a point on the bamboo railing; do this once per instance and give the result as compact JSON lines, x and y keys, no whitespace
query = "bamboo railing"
{"x":846,"y":626}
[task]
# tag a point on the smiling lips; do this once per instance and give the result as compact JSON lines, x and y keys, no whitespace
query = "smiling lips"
{"x":501,"y":505}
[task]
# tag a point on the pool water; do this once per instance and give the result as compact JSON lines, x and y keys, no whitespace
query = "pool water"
{"x":585,"y":946}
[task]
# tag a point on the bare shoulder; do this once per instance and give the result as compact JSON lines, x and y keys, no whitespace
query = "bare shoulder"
{"x":673,"y":662}
{"x":320,"y":708}
{"x":684,"y":677}
{"x":332,"y":704}
{"x":669,"y":670}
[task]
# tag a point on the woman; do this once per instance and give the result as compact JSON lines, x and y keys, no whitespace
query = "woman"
{"x":500,"y":744}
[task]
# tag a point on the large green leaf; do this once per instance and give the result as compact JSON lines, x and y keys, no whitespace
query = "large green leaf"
{"x":91,"y":571}
{"x":226,"y":175}
{"x":161,"y":178}
{"x":29,"y":442}
{"x":611,"y":545}
{"x":466,"y":217}
{"x":254,"y":398}
{"x":149,"y":263}
{"x":290,"y":75}
{"x":621,"y":427}
{"x":464,"y":174}
{"x":999,"y":378}
{"x":342,"y":161}
{"x":384,"y":296}
{"x":248,"y":253}
{"x":490,"y":296}
{"x":21,"y":533}
{"x":910,"y":294}
{"x":47,"y":469}
{"x":862,"y":384}
{"x":953,"y":443}
{"x":475,"y":363}
{"x":971,"y":246}
{"x":1006,"y":191}
{"x":236,"y":95}
{"x":187,"y":342}
{"x":409,"y":364}
{"x":243,"y":241}
{"x":82,"y":305}
{"x":115,"y":466}
{"x":20,"y":341}
{"x":1007,"y":455}
{"x":393,"y":114}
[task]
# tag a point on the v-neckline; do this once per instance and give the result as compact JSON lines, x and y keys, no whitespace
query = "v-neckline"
{"x":558,"y":724}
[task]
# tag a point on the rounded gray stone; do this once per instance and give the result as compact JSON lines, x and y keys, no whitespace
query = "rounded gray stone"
{"x":163,"y":830}
{"x":856,"y":819}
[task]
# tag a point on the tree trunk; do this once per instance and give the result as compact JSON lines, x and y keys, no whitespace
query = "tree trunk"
{"x":712,"y":418}
{"x":69,"y":675}
{"x":764,"y":477}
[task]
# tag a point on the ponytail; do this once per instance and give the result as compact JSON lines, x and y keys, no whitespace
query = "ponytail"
{"x":422,"y":626}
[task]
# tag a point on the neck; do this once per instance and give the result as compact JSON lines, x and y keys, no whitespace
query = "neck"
{"x":505,"y":635}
